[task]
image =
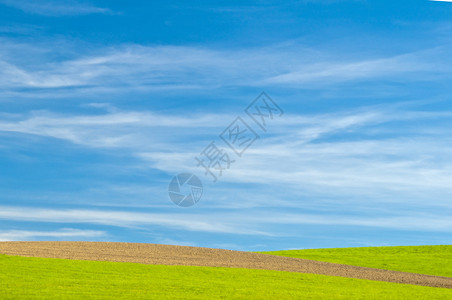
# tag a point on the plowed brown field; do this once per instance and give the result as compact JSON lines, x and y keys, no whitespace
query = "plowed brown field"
{"x":195,"y":256}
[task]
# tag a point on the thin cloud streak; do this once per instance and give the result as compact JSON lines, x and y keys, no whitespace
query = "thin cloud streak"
{"x":65,"y":233}
{"x":122,"y":219}
{"x":131,"y":129}
{"x":238,"y":224}
{"x":332,"y":72}
{"x":306,"y":157}
{"x":142,"y":68}
{"x":55,"y":8}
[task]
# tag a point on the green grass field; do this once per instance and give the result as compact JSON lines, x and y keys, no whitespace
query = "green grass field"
{"x":431,"y":260}
{"x":25,"y":278}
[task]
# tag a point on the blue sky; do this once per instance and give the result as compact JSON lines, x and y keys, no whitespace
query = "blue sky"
{"x":103,"y":102}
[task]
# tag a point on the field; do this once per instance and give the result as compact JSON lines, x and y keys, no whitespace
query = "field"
{"x":432,"y":260}
{"x":23,"y":277}
{"x":146,"y":271}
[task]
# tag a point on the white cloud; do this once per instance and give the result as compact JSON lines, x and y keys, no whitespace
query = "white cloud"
{"x":116,"y":129}
{"x":214,"y":222}
{"x":364,"y":69}
{"x":55,"y":8}
{"x":155,"y":68}
{"x":416,"y":221}
{"x":123,"y":219}
{"x":404,"y":164}
{"x":306,"y":157}
{"x":65,"y":233}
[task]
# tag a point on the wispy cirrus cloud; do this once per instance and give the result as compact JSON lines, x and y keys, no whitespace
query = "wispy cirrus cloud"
{"x":127,"y":129}
{"x":124,"y":129}
{"x":401,"y":163}
{"x":64,"y":234}
{"x":354,"y":70}
{"x":55,"y":8}
{"x":141,"y":68}
{"x":187,"y":222}
{"x":214,"y":222}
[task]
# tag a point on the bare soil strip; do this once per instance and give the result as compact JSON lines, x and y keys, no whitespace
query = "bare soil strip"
{"x":195,"y":256}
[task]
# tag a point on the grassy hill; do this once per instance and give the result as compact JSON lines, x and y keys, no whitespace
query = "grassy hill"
{"x":25,"y":278}
{"x":431,"y":260}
